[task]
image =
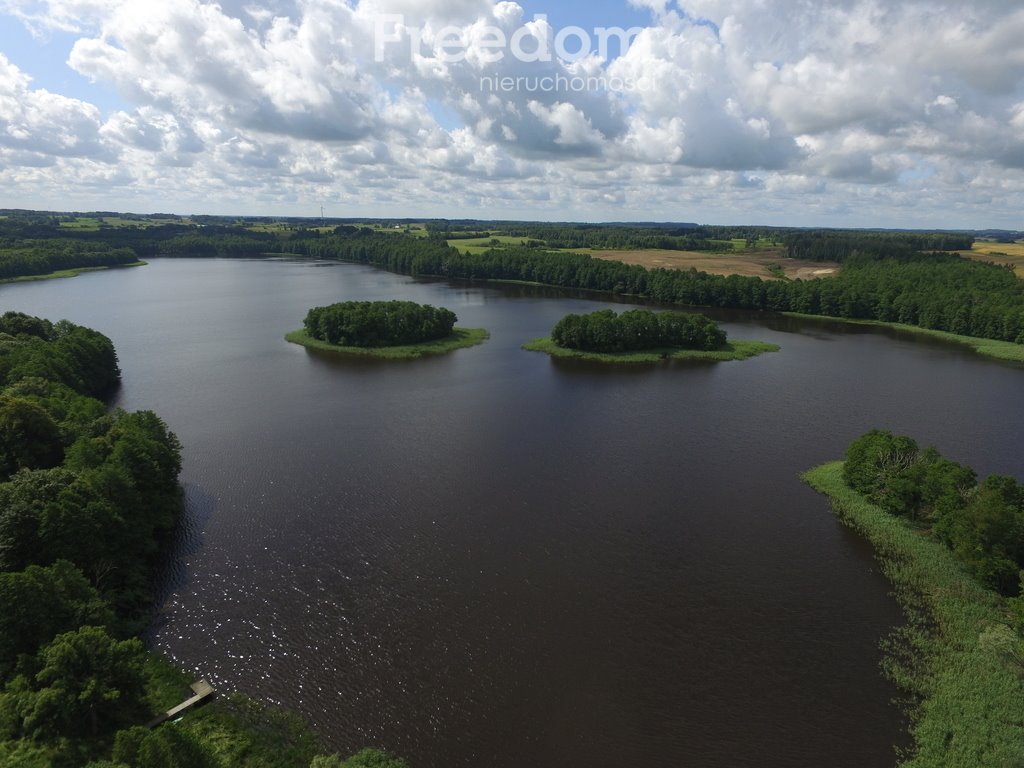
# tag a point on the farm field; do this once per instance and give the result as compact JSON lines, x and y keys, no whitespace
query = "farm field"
{"x":1000,"y":253}
{"x":764,"y":263}
{"x":477,"y":245}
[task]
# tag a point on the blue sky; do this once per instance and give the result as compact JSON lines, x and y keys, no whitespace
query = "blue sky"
{"x":600,"y":13}
{"x":860,"y":113}
{"x":44,"y":56}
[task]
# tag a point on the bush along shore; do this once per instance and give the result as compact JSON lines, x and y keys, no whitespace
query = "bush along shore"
{"x":949,"y":544}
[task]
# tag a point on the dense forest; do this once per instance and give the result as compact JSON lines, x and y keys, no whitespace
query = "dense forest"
{"x":982,"y":523}
{"x":840,"y":245}
{"x":87,"y":498}
{"x":378,"y":323}
{"x":605,"y":331}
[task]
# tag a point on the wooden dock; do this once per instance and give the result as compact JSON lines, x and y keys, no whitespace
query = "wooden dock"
{"x":201,"y":689}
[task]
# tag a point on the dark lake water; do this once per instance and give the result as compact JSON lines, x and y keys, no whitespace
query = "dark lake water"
{"x":494,"y":559}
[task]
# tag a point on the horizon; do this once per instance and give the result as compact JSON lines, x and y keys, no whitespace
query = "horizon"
{"x":853,"y":115}
{"x":639,"y":223}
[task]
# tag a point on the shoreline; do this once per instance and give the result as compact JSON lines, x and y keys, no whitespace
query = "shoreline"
{"x":953,"y":656}
{"x":993,"y":348}
{"x":72,"y":272}
{"x":734,"y":350}
{"x":460,"y":338}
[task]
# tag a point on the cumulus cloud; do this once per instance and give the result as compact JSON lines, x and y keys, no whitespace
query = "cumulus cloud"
{"x":37,"y":122}
{"x":747,"y":106}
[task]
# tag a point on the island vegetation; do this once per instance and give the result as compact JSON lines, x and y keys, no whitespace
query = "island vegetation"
{"x":636,"y":329}
{"x":388,"y":329}
{"x":953,"y":546}
{"x":642,"y":336}
{"x":378,"y":323}
{"x":88,"y":497}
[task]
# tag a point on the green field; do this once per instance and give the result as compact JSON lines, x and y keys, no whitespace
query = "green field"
{"x":740,"y":244}
{"x":478,"y":245}
{"x":416,"y":230}
{"x":957,"y":655}
{"x":460,"y":338}
{"x":733,"y":350}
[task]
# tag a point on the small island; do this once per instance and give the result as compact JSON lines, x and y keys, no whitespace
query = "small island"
{"x":386,"y":329}
{"x":642,"y":336}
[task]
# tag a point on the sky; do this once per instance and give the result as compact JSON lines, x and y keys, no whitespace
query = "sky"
{"x":858,"y":113}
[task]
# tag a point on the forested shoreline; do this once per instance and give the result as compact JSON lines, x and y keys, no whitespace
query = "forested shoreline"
{"x":895,"y":277}
{"x":951,"y":546}
{"x":88,"y":498}
{"x":938,"y":290}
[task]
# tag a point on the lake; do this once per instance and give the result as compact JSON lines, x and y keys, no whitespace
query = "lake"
{"x":496,"y":559}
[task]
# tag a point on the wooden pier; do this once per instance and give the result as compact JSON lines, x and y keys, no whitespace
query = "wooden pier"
{"x":201,"y":689}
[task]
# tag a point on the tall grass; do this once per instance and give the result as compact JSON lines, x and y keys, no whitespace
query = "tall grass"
{"x":957,"y":658}
{"x":732,"y":350}
{"x":460,"y":338}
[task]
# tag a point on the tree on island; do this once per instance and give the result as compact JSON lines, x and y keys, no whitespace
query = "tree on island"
{"x":637,"y":329}
{"x":379,"y":323}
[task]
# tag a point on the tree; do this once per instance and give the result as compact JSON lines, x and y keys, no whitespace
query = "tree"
{"x":378,"y":323}
{"x":877,"y":464}
{"x":604,"y":331}
{"x":40,"y":603}
{"x":23,"y":501}
{"x":29,"y":438}
{"x":988,"y":534}
{"x":87,"y":683}
{"x":943,"y":486}
{"x":20,"y":324}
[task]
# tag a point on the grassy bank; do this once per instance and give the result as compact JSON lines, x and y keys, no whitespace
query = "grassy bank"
{"x":461,"y":337}
{"x":733,"y":350}
{"x":234,"y":729}
{"x":68,"y":273}
{"x":1001,"y":350}
{"x":957,"y":656}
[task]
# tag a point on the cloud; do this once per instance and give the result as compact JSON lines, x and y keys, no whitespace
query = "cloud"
{"x":37,"y":122}
{"x":750,"y":108}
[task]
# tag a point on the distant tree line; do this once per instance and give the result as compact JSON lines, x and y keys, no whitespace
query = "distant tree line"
{"x":982,"y":523}
{"x":839,"y":245}
{"x":940,"y":291}
{"x":885,"y":276}
{"x":378,"y":323}
{"x":605,"y":331}
{"x":612,"y":237}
